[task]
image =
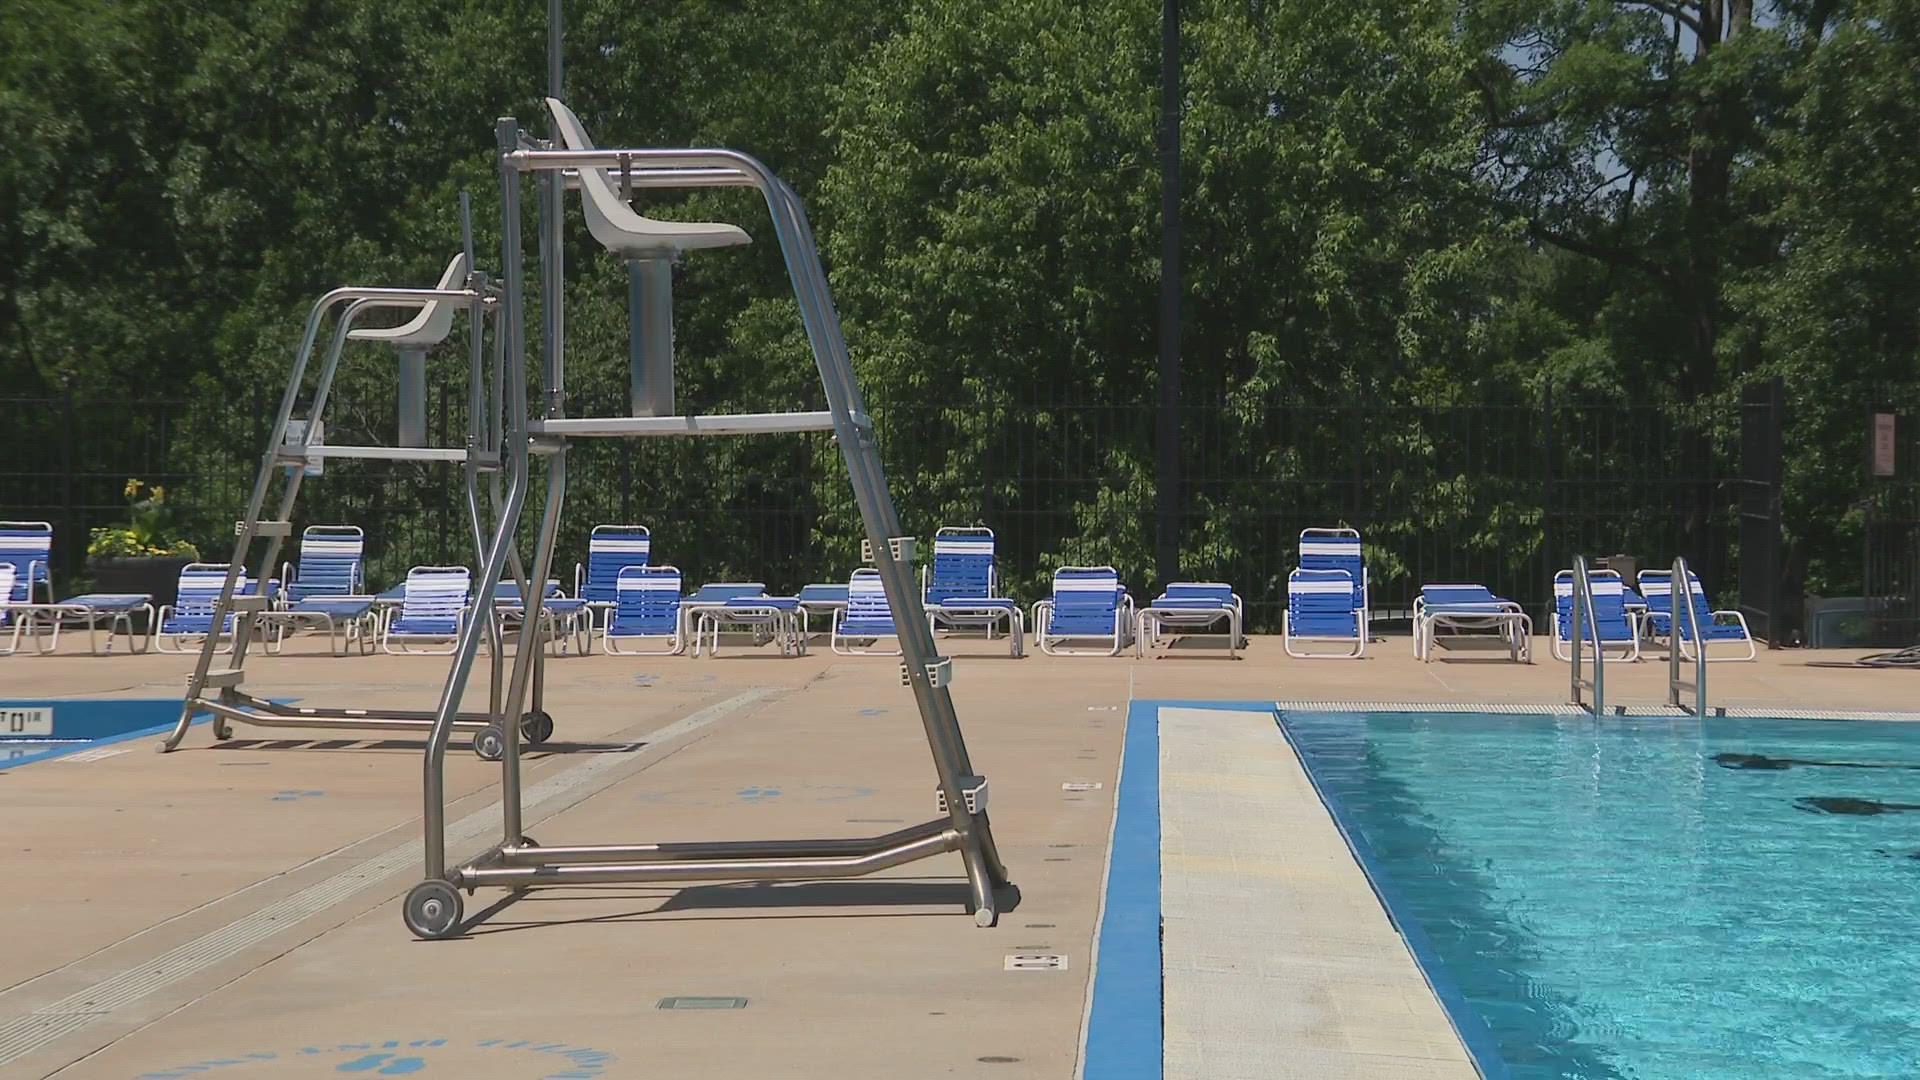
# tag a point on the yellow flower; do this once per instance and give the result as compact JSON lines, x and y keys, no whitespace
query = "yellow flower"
{"x":159,"y":494}
{"x":133,"y":488}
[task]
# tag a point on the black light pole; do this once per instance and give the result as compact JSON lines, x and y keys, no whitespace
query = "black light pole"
{"x":1167,"y":467}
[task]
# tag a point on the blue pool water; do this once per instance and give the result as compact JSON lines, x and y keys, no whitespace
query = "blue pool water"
{"x":1612,"y":902}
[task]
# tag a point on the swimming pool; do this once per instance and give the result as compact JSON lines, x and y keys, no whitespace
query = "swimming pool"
{"x":1647,"y":899}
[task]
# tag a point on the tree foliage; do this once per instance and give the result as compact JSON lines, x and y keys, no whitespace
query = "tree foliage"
{"x":1420,"y":203}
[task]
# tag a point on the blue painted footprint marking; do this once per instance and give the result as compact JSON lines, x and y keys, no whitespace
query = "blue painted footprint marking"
{"x":383,"y":1065}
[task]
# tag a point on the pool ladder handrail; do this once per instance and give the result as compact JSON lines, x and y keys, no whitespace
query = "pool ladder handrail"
{"x":1583,"y":606}
{"x":1682,"y":598}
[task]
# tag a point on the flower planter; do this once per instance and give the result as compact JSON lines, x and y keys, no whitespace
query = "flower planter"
{"x":156,"y":575}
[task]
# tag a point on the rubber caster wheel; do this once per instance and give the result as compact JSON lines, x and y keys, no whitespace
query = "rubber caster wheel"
{"x":433,"y":910}
{"x":536,"y":727}
{"x":490,"y":743}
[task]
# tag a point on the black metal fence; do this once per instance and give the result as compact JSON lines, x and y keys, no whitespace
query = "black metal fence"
{"x":1500,"y":494}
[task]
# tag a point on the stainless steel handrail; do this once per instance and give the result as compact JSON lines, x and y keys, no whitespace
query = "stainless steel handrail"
{"x":1583,"y":605}
{"x":1682,"y":596}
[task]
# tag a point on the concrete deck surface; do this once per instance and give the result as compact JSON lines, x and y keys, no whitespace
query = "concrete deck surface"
{"x":232,"y":909}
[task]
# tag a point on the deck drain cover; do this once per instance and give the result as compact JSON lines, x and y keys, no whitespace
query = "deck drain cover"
{"x":1075,"y":785}
{"x":1036,"y":962}
{"x":703,"y":1002}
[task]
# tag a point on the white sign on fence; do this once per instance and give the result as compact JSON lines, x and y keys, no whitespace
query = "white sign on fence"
{"x":1883,"y":444}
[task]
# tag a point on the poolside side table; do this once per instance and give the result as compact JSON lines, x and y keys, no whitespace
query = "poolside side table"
{"x":1193,"y":613}
{"x":118,"y":609}
{"x":985,"y":611}
{"x":1513,"y":623}
{"x":783,"y":615}
{"x":346,"y":619}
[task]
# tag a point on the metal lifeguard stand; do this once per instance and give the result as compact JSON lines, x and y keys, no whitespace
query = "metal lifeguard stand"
{"x":433,"y":907}
{"x":295,"y":443}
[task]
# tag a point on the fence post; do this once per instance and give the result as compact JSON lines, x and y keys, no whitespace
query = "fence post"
{"x":68,"y":531}
{"x":1546,"y":498}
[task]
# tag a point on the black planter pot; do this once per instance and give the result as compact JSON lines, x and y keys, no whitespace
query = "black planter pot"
{"x":156,"y":575}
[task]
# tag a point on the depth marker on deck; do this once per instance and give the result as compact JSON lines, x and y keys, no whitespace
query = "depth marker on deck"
{"x":27,"y":1034}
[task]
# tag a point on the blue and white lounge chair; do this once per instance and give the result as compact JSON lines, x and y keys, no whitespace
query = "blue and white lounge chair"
{"x":1617,"y":629}
{"x":27,"y":546}
{"x":962,"y":588}
{"x":186,"y":622}
{"x":1192,"y":605}
{"x":1657,"y":587}
{"x":1339,"y":549}
{"x":332,"y":563}
{"x":1323,"y":606}
{"x":610,"y":549}
{"x":435,"y":603}
{"x":1469,"y":608}
{"x":10,"y":623}
{"x":1087,"y":602}
{"x":646,"y":607}
{"x":866,"y":616}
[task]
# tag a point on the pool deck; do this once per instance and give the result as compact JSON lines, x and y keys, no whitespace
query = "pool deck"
{"x":232,"y":909}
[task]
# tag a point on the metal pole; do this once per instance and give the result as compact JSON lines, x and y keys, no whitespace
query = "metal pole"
{"x":553,"y":316}
{"x":1167,"y":467}
{"x":554,"y":37}
{"x":433,"y":781}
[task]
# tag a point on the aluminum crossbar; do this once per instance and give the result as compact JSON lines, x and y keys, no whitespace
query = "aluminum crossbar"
{"x":713,"y":424}
{"x":377,"y":453}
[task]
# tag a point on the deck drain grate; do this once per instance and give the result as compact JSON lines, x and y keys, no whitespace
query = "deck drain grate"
{"x":685,"y":1002}
{"x":1036,"y":962}
{"x":1080,"y":785}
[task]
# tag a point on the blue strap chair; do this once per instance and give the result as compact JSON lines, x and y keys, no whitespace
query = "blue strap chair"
{"x":435,"y":603}
{"x":646,"y":607}
{"x":1087,"y":602}
{"x":1323,"y":606}
{"x":27,"y":546}
{"x":866,"y":616}
{"x":1616,"y":627}
{"x":186,"y":622}
{"x":1656,"y":586}
{"x":610,"y":550}
{"x":332,"y":563}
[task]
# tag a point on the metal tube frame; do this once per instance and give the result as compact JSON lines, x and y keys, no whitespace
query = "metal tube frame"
{"x":1581,"y":614}
{"x":514,"y":862}
{"x":1682,"y":587}
{"x":482,"y":453}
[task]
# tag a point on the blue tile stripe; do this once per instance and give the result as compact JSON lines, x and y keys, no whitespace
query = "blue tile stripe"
{"x":1123,"y":1025}
{"x":166,"y":707}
